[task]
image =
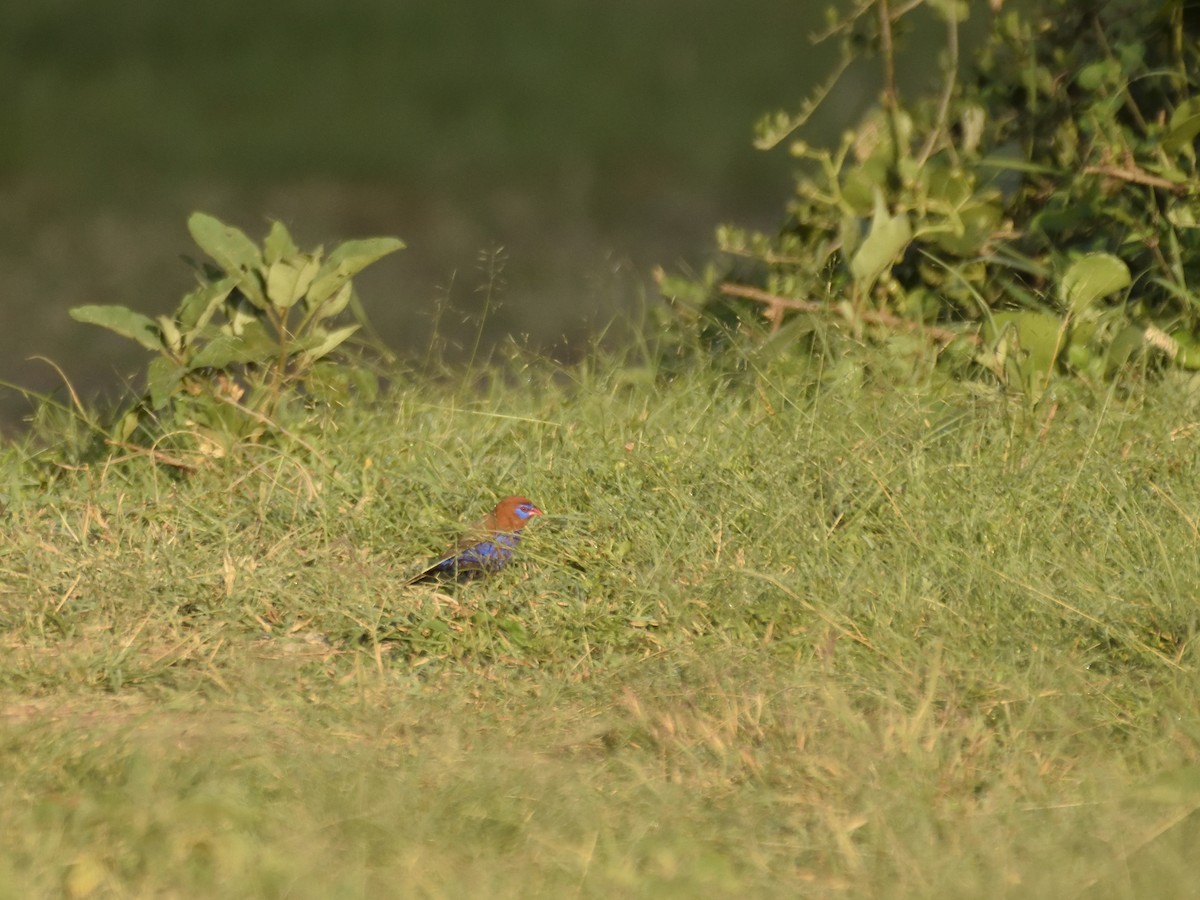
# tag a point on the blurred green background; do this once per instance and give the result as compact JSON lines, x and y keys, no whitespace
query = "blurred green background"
{"x":575,"y":143}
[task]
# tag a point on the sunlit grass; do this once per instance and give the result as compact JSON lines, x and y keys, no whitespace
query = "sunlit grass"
{"x":779,"y":635}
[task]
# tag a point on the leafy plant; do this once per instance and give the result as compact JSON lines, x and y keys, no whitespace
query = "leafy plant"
{"x":261,"y":327}
{"x":1039,"y":215}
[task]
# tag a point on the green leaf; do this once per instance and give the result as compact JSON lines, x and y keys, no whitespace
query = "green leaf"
{"x":328,"y":344}
{"x":278,"y":244}
{"x":1182,"y":214}
{"x":334,"y":305}
{"x":123,"y":321}
{"x":1094,"y":75}
{"x":347,"y":261}
{"x":289,"y":279}
{"x":1038,"y":334}
{"x":1081,"y":356}
{"x":253,"y":345}
{"x":221,"y":352}
{"x":128,"y":424}
{"x":1128,"y":342}
{"x":849,"y":234}
{"x":1053,"y":221}
{"x":233,"y":251}
{"x":162,"y":380}
{"x":240,"y":315}
{"x":1090,"y":278}
{"x":253,"y":288}
{"x":1183,"y":127}
{"x":1188,"y":352}
{"x":888,"y":237}
{"x":978,"y":221}
{"x":198,"y":307}
{"x":230,"y":247}
{"x":171,"y":337}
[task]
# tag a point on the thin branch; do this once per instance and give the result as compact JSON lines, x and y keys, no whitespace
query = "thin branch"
{"x":1136,"y":175}
{"x":888,"y":51}
{"x":887,"y":320}
{"x":843,"y":24}
{"x":939,"y":127}
{"x":158,"y":456}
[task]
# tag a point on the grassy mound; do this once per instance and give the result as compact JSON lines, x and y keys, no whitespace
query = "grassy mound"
{"x":782,"y":632}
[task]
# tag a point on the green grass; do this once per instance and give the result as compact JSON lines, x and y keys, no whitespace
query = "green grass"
{"x":782,"y":633}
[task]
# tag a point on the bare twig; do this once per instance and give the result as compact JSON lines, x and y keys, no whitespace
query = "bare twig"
{"x":1136,"y":175}
{"x":888,"y":51}
{"x":939,"y":127}
{"x":887,"y":320}
{"x":158,"y":456}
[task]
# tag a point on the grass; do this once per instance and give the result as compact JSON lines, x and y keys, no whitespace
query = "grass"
{"x":782,"y":633}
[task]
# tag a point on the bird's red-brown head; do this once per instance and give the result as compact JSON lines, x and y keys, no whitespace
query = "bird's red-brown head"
{"x":512,"y":514}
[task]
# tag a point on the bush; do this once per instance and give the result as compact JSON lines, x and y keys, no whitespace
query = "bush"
{"x":1038,"y":214}
{"x":259,"y":329}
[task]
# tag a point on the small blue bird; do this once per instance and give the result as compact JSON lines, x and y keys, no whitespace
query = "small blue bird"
{"x":487,"y":547}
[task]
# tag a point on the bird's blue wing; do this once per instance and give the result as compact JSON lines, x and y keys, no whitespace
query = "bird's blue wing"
{"x":486,"y":556}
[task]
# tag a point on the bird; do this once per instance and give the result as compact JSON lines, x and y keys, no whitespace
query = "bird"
{"x":487,"y":547}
